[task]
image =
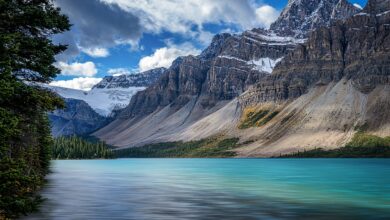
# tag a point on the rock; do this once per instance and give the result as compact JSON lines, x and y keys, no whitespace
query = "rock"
{"x":377,"y":6}
{"x":356,"y":49}
{"x":299,"y":17}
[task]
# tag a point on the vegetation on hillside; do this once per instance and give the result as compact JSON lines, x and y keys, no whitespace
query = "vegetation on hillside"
{"x":361,"y":145}
{"x":207,"y":148}
{"x":26,"y":55}
{"x":256,"y":118}
{"x":77,"y":148}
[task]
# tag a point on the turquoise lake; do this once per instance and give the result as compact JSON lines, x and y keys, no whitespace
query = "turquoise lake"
{"x":217,"y":189}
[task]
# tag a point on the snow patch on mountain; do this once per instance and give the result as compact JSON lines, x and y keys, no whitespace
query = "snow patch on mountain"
{"x":384,"y":13}
{"x":103,"y":101}
{"x":231,"y":58}
{"x":264,"y":64}
{"x":271,"y":37}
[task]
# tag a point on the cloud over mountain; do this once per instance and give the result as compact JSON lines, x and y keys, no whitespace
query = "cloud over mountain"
{"x":164,"y":56}
{"x":77,"y":69}
{"x":81,"y":83}
{"x":125,"y":21}
{"x":118,"y":71}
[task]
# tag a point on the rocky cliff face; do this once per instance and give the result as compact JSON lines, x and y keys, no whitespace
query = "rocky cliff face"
{"x":377,"y":6}
{"x":326,"y":89}
{"x":78,"y":118}
{"x":223,"y":71}
{"x":299,"y":17}
{"x":195,"y":87}
{"x":355,"y":49}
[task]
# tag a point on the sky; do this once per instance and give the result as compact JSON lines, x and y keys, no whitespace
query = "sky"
{"x":113,"y":37}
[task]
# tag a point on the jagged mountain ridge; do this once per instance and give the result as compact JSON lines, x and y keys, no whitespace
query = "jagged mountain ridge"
{"x":112,"y":92}
{"x":299,"y":17}
{"x":194,"y":88}
{"x":354,"y":49}
{"x":143,"y":79}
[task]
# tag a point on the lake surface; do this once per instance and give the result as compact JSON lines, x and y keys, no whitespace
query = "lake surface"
{"x":217,"y":189}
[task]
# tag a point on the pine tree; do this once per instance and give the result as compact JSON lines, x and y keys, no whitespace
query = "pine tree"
{"x":26,"y":55}
{"x":77,"y":148}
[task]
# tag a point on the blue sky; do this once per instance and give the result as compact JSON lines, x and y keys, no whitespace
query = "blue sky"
{"x":125,"y":36}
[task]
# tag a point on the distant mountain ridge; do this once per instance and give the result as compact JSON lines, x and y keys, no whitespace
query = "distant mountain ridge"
{"x":86,"y":111}
{"x":77,"y":118}
{"x":112,"y":92}
{"x":143,"y":79}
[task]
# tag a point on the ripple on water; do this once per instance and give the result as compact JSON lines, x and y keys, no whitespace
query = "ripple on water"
{"x":218,"y":189}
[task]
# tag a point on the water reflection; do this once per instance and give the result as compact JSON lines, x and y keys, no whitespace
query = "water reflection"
{"x":217,"y":189}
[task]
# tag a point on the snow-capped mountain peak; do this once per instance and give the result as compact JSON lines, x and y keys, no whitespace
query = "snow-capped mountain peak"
{"x":143,"y":79}
{"x":113,"y":92}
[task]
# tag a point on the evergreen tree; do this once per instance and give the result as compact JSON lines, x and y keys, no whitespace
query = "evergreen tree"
{"x":26,"y":55}
{"x":76,"y":148}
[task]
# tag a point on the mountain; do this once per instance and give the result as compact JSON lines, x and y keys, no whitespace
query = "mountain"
{"x":299,"y":17}
{"x":143,"y":79}
{"x":225,"y":69}
{"x":77,"y":118}
{"x":87,"y":111}
{"x":113,"y":92}
{"x":200,"y":96}
{"x":326,"y":90}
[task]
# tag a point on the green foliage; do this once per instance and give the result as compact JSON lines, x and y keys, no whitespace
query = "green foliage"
{"x":258,"y":118}
{"x":77,"y":148}
{"x":367,"y":140}
{"x":17,"y":188}
{"x":267,"y":118}
{"x":25,"y":30}
{"x":361,"y":145}
{"x":206,"y":148}
{"x":26,"y":54}
{"x":252,"y":118}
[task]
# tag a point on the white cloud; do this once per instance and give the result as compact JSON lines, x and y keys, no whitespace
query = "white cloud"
{"x":118,"y":71}
{"x":77,"y":69}
{"x":358,"y":6}
{"x":205,"y":37}
{"x":266,"y":15}
{"x":96,"y":52}
{"x":179,"y":16}
{"x":98,"y":25}
{"x":108,"y":23}
{"x":164,"y":56}
{"x":81,"y":83}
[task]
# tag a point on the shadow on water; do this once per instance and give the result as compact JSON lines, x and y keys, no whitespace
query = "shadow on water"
{"x":217,"y":189}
